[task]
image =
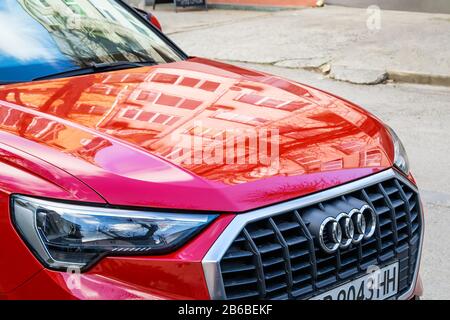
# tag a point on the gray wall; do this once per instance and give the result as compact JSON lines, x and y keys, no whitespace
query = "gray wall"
{"x":434,"y":6}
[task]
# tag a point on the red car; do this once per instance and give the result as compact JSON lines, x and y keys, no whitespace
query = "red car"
{"x":129,"y":170}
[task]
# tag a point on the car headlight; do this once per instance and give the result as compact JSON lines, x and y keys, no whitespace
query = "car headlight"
{"x":400,"y":157}
{"x":66,"y":236}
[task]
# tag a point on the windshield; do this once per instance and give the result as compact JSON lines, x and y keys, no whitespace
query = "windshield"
{"x":44,"y":37}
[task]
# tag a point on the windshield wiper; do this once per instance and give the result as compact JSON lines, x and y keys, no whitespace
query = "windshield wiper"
{"x":96,"y":68}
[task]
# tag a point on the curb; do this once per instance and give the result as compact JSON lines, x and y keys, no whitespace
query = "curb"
{"x":253,"y":8}
{"x":385,"y":76}
{"x":419,"y":78}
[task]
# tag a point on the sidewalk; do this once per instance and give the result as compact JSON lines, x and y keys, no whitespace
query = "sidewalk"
{"x":409,"y":47}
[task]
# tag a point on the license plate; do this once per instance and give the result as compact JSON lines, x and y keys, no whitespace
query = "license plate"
{"x":381,"y":284}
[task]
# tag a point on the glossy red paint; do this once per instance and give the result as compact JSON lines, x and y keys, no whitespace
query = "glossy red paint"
{"x":116,"y":139}
{"x":134,"y":130}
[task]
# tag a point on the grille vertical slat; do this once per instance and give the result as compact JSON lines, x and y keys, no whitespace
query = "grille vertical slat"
{"x":258,"y":263}
{"x":392,"y":211}
{"x":278,"y":258}
{"x":309,"y":286}
{"x":368,"y":248}
{"x":286,"y":256}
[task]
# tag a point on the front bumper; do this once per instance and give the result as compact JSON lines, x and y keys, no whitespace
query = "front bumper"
{"x":192,"y":272}
{"x":49,"y":285}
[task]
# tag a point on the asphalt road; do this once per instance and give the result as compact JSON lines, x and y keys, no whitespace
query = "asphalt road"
{"x":421,"y":117}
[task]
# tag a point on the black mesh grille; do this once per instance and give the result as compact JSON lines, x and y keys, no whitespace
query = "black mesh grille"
{"x":276,"y":258}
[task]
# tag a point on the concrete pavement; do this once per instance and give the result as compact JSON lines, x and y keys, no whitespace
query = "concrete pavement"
{"x":336,"y":41}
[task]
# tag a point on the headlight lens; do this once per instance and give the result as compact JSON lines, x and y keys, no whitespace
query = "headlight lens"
{"x":400,"y":157}
{"x":66,"y":236}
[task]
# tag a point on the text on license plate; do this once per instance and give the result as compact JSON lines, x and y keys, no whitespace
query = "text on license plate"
{"x":380,"y":284}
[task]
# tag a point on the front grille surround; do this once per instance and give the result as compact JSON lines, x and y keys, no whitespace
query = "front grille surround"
{"x":276,"y":223}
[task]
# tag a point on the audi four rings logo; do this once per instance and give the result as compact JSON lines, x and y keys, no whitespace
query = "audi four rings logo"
{"x":347,"y":228}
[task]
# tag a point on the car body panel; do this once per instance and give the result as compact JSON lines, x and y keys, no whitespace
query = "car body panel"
{"x":124,"y":130}
{"x":36,"y":169}
{"x":20,"y":263}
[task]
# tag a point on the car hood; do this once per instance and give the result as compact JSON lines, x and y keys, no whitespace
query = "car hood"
{"x":152,"y":136}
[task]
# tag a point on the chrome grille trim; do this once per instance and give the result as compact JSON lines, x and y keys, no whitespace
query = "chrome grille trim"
{"x":211,"y":261}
